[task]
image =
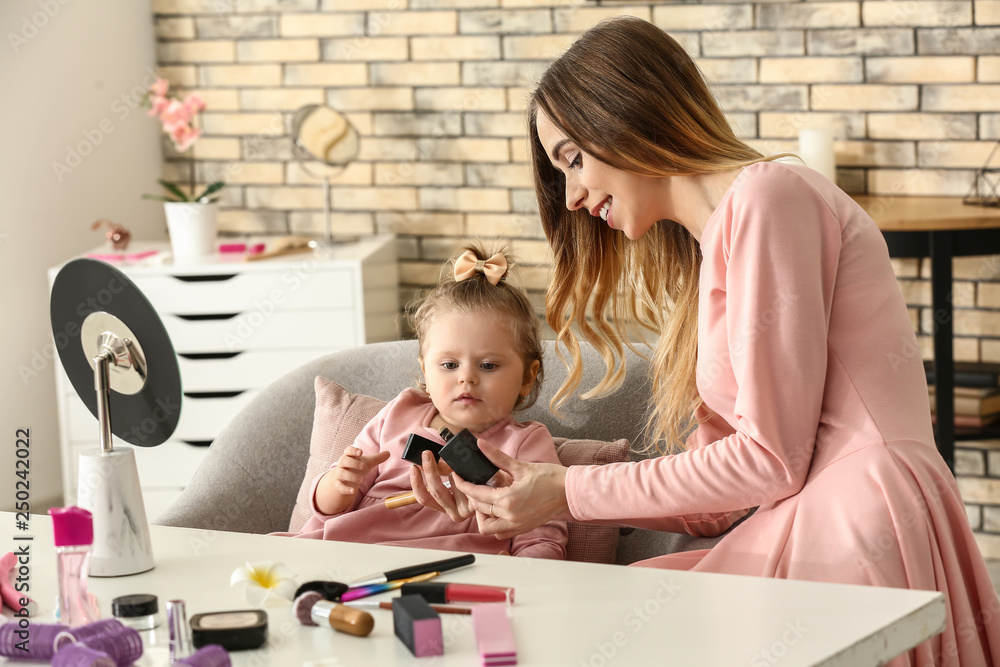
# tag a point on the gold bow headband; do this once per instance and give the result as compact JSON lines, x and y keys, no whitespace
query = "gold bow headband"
{"x":467,"y":265}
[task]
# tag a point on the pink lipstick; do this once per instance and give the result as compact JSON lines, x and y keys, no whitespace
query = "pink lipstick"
{"x":444,"y":593}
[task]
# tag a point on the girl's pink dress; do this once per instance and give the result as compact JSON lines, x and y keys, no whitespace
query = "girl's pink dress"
{"x":819,"y":415}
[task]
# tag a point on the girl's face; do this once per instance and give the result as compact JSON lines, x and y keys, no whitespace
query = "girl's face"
{"x":472,"y":369}
{"x":629,"y":202}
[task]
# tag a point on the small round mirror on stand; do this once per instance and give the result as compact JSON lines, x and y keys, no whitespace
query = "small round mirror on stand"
{"x":326,"y":135}
{"x":118,"y":356}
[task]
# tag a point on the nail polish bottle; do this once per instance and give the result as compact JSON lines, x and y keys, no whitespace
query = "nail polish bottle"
{"x":73,"y":529}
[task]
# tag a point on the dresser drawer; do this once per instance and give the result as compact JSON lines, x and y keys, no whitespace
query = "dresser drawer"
{"x":278,"y":330}
{"x":172,"y":464}
{"x":293,"y":288}
{"x":246,"y":369}
{"x":201,"y":418}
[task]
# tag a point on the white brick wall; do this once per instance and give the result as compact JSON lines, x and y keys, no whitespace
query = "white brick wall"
{"x":437,"y":89}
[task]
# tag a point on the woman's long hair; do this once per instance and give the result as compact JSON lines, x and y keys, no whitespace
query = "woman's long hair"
{"x":627,"y":93}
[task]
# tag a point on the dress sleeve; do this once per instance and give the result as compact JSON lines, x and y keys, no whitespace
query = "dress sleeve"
{"x":368,"y":442}
{"x":779,"y":250}
{"x":549,"y":539}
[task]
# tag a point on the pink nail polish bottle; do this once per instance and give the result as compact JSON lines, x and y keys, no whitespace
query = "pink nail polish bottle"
{"x":73,"y":528}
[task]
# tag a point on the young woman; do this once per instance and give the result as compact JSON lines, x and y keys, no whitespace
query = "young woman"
{"x":781,"y":329}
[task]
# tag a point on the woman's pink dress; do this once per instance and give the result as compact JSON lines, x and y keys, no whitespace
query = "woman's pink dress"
{"x":808,"y":360}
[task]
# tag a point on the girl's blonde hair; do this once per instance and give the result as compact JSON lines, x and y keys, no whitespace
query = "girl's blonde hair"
{"x":628,"y":94}
{"x":475,"y":296}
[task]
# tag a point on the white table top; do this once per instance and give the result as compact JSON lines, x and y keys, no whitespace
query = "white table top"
{"x":565,"y":613}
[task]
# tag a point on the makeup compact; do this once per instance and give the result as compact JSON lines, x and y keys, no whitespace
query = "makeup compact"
{"x":232,"y":630}
{"x":462,"y":453}
{"x":416,"y":445}
{"x":139,"y":611}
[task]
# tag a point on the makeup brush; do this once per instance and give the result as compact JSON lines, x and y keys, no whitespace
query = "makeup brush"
{"x":330,"y":590}
{"x":311,"y":608}
{"x":302,"y":606}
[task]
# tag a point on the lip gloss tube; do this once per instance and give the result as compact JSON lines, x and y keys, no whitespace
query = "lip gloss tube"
{"x":444,"y":593}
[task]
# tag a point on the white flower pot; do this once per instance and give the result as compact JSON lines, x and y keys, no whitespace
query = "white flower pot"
{"x":192,"y":228}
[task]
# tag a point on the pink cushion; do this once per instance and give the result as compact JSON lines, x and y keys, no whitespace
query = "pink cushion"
{"x":587,"y":542}
{"x":338,"y":419}
{"x":340,"y":416}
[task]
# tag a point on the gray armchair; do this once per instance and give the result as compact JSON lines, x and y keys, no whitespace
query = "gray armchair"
{"x":250,"y":478}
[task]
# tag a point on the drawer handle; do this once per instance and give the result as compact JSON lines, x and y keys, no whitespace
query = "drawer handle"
{"x":206,"y":278}
{"x":212,"y":394}
{"x":198,"y":356}
{"x":198,"y":443}
{"x":213,"y":316}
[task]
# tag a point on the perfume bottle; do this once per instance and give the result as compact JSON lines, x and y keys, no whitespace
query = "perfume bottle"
{"x":74,"y":535}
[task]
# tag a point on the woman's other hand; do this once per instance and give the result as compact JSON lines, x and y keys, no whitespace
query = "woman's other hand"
{"x":524,"y":495}
{"x":425,"y":480}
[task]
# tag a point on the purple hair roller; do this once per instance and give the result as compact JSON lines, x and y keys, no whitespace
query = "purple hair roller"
{"x":83,"y":632}
{"x":79,"y":655}
{"x":124,"y":645}
{"x":210,"y":655}
{"x":38,"y":638}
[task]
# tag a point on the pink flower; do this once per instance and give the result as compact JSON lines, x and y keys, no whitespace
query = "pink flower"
{"x":157,"y":105}
{"x":160,"y":87}
{"x":184,"y":136}
{"x":175,"y":114}
{"x":194,"y":104}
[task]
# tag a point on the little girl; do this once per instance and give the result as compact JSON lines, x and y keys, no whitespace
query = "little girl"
{"x":481,"y":360}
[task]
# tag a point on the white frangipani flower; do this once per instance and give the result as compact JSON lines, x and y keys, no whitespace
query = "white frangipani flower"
{"x":264,"y":581}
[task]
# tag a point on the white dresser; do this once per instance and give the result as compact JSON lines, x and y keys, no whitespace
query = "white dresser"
{"x":236,"y":326}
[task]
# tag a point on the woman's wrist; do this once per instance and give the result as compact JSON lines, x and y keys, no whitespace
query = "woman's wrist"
{"x":559,"y":498}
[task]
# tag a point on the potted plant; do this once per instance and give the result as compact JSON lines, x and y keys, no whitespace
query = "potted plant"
{"x":192,"y":219}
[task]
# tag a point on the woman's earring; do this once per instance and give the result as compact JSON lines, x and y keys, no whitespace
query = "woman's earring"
{"x":520,"y":399}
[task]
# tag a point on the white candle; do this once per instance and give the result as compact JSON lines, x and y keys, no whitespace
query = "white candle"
{"x":816,"y":150}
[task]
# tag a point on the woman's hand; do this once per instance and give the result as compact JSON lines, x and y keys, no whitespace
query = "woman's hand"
{"x":425,"y":480}
{"x":525,"y":496}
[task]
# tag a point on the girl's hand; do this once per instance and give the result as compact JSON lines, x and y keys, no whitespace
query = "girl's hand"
{"x":353,"y":467}
{"x":431,"y":491}
{"x":338,"y":486}
{"x":526,"y":495}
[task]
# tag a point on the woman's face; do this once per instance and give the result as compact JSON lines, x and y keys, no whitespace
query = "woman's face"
{"x":625,"y":201}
